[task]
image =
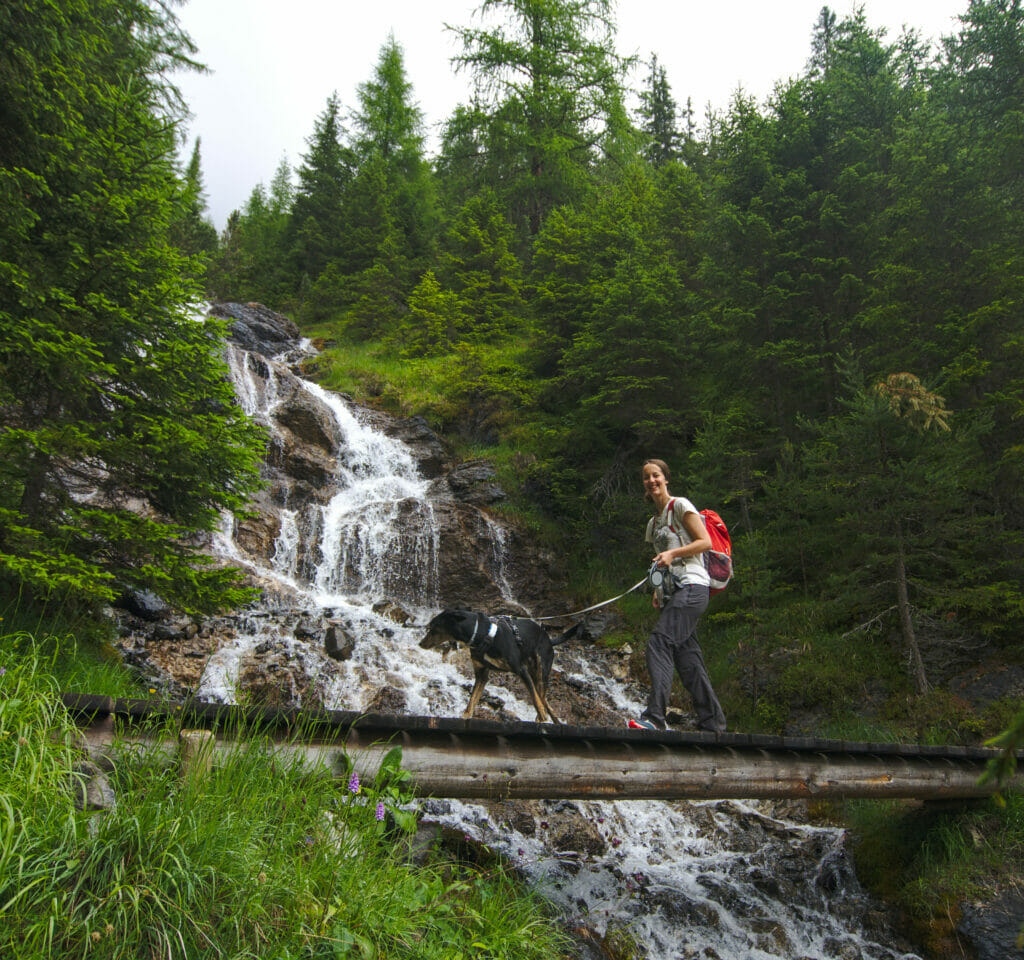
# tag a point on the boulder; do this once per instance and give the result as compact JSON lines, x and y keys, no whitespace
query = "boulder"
{"x":992,"y":928}
{"x":475,"y":482}
{"x":144,"y":604}
{"x":428,"y":449}
{"x":305,"y":416}
{"x":338,"y":643}
{"x":257,"y":328}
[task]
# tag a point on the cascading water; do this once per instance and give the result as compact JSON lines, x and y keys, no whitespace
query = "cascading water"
{"x":681,"y":879}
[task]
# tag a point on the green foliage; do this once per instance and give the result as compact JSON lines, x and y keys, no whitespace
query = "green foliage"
{"x":266,"y":857}
{"x":927,"y":860}
{"x":113,"y":393}
{"x":435,"y":320}
{"x":544,"y":78}
{"x":478,"y":262}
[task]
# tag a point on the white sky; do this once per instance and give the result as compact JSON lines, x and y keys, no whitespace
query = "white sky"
{"x":275,"y":63}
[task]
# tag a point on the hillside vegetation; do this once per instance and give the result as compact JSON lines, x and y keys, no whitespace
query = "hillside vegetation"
{"x":809,"y":307}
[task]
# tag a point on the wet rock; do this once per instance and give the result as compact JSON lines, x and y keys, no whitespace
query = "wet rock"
{"x":579,"y":836}
{"x":269,"y":679}
{"x":256,"y":534}
{"x":474,"y":482}
{"x":338,"y":644}
{"x":389,"y":700}
{"x":770,"y":936}
{"x":430,"y":452}
{"x":257,"y":328}
{"x":993,"y":928}
{"x":144,"y":604}
{"x":305,"y":416}
{"x":684,"y":910}
{"x":392,"y":611}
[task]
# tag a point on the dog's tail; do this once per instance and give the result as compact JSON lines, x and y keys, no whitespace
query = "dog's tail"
{"x":576,"y":630}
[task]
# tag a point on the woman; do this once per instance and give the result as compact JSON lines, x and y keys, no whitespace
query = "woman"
{"x":678,"y":534}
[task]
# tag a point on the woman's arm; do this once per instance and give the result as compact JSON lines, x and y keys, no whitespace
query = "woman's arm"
{"x":699,"y":543}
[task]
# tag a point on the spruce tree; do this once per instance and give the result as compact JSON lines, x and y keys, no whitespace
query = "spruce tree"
{"x":195,"y":233}
{"x":478,"y":262}
{"x":658,"y":112}
{"x":121,"y":441}
{"x":317,"y":229}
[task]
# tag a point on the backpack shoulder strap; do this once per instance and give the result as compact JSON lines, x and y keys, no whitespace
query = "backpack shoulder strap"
{"x":671,"y":510}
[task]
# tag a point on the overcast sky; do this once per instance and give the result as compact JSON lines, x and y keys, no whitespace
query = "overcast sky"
{"x":273,"y":64}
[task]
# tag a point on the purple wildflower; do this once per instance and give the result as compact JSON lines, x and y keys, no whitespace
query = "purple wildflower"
{"x":3,"y":670}
{"x":380,"y":810}
{"x":353,"y":783}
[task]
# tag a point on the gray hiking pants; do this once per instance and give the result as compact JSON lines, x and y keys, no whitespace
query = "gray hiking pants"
{"x":673,"y":644}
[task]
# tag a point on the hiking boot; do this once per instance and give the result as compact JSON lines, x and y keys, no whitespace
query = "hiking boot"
{"x":644,"y":724}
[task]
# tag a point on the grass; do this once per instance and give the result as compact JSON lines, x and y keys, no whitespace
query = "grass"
{"x":926,"y":859}
{"x":265,"y":858}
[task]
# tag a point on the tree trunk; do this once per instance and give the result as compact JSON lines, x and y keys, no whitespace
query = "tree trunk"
{"x":906,"y":623}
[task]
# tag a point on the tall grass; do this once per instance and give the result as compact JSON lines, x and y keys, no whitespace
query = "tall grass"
{"x":265,"y":858}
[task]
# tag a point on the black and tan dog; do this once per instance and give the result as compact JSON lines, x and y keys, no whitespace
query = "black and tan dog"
{"x":515,"y":644}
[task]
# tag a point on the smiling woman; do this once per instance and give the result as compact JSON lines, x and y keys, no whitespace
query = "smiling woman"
{"x":677,"y":533}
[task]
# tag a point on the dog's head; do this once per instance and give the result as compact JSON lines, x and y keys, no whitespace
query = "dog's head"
{"x":449,"y":627}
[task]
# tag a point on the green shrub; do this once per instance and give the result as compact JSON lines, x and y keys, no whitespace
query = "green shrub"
{"x":265,"y":858}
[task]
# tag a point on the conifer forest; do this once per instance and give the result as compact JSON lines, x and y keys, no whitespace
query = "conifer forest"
{"x":810,"y":307}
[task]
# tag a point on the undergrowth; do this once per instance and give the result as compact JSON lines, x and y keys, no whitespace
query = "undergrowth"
{"x":265,"y":858}
{"x":927,"y":859}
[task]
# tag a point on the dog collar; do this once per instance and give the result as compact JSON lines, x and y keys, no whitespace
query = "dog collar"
{"x":492,"y":629}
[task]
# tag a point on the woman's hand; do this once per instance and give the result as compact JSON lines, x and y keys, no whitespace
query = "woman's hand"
{"x":665,"y":558}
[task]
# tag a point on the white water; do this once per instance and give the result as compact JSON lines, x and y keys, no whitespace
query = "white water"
{"x":684,"y":880}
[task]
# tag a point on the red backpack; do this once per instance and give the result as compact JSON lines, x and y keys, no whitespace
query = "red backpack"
{"x":717,"y":560}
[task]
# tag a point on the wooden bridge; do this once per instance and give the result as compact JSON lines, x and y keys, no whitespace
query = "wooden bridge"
{"x":481,"y":759}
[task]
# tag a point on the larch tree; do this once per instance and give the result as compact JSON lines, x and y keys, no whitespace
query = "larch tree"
{"x":545,"y":79}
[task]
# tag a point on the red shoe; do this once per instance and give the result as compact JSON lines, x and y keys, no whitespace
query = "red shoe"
{"x":642,"y":724}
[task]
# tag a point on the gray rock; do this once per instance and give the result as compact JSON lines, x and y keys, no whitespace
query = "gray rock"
{"x":474,"y":482}
{"x":90,"y":787}
{"x":257,"y":328}
{"x":144,"y":604}
{"x":993,"y":928}
{"x":429,"y":450}
{"x":338,"y":644}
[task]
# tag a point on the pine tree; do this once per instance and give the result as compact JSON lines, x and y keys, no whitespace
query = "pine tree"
{"x":388,"y":133}
{"x":889,"y":487}
{"x":435,"y":321}
{"x":317,"y":230}
{"x":195,"y":233}
{"x":121,"y":440}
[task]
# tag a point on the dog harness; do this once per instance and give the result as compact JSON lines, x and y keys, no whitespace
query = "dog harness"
{"x":492,"y":630}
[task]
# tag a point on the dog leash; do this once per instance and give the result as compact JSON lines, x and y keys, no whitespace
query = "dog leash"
{"x":560,"y":616}
{"x":596,"y":606}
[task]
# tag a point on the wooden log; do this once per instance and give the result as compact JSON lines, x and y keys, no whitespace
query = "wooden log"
{"x":481,"y":763}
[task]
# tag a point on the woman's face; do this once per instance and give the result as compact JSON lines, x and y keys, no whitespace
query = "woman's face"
{"x":655,"y":483}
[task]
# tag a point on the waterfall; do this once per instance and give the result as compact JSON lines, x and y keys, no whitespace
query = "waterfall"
{"x":713,"y":880}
